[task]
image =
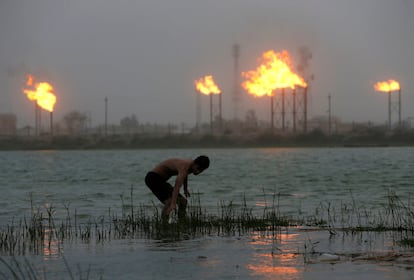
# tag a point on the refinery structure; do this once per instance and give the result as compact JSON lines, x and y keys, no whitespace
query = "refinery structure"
{"x":275,"y":79}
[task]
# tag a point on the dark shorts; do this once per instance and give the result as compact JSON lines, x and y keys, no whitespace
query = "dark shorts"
{"x":159,"y":186}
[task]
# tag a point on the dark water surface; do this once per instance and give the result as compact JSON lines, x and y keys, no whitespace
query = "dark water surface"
{"x":301,"y":179}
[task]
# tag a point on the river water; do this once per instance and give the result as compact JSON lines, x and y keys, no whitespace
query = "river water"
{"x":92,"y":182}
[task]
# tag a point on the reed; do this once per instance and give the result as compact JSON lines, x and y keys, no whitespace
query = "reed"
{"x":394,"y":216}
{"x":18,"y":270}
{"x":22,"y":268}
{"x":42,"y":230}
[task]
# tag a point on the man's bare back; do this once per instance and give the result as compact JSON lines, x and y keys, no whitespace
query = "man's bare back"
{"x":172,"y":167}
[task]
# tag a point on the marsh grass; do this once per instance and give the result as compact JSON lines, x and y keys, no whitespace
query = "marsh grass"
{"x":42,"y":231}
{"x":230,"y":220}
{"x":18,"y":269}
{"x":394,"y":216}
{"x":22,"y":268}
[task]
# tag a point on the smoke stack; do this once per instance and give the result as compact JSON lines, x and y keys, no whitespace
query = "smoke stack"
{"x":198,"y":111}
{"x":236,"y":89}
{"x":294,"y":109}
{"x":51,"y":123}
{"x":211,"y":112}
{"x":283,"y":109}
{"x":305,"y":109}
{"x":106,"y":116}
{"x":220,"y":112}
{"x":399,"y":107}
{"x":272,"y":112}
{"x":37,"y":119}
{"x":389,"y":109}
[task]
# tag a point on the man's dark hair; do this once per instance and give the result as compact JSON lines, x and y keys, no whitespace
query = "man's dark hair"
{"x":202,"y":161}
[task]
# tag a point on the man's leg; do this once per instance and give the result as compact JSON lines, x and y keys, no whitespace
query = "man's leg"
{"x":161,"y":189}
{"x":181,"y":203}
{"x":165,"y":208}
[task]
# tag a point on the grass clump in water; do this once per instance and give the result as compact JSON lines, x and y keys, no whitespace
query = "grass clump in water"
{"x":395,"y":216}
{"x":22,"y":268}
{"x":42,"y":230}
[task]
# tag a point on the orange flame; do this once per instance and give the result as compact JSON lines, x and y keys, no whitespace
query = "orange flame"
{"x":388,"y":86}
{"x":207,"y":85}
{"x":273,"y":73}
{"x":42,"y":93}
{"x":29,"y":80}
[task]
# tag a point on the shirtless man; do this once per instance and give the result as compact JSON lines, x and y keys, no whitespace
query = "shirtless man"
{"x":157,"y":179}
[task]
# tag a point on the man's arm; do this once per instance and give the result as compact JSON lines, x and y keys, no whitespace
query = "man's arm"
{"x":179,"y":181}
{"x":186,"y":192}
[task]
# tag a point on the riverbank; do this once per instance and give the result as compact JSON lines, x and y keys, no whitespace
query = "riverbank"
{"x":142,"y":141}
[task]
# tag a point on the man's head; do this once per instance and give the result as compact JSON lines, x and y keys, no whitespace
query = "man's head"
{"x":200,"y":164}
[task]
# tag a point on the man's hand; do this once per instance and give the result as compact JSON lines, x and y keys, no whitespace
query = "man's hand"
{"x":170,"y":209}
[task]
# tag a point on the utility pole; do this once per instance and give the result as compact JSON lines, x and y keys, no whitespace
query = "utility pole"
{"x":198,"y":112}
{"x":399,"y":108}
{"x":106,"y":116}
{"x":329,"y":114}
{"x":236,"y":85}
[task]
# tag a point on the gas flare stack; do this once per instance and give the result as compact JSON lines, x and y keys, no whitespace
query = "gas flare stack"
{"x":292,"y":108}
{"x":207,"y":86}
{"x":274,"y":75}
{"x":44,"y":98}
{"x":389,"y":87}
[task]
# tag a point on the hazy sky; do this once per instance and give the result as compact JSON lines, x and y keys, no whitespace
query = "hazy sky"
{"x":144,"y":55}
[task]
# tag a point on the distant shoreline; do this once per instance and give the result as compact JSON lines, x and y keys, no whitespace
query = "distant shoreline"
{"x":95,"y":142}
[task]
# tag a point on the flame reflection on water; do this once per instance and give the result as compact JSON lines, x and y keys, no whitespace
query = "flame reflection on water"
{"x":52,"y":247}
{"x":276,"y":263}
{"x":271,"y":267}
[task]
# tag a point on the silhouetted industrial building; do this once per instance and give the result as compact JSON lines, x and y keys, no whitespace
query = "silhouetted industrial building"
{"x":8,"y":124}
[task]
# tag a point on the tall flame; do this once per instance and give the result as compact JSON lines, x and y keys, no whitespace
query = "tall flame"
{"x":207,"y":85}
{"x":42,"y":93}
{"x":274,"y":72}
{"x":388,"y":86}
